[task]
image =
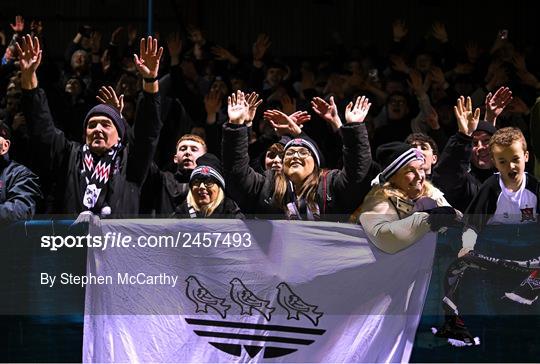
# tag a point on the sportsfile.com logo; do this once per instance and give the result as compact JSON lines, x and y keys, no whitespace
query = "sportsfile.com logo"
{"x":230,"y":336}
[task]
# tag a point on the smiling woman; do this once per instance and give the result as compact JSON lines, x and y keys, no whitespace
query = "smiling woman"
{"x":402,"y":206}
{"x":206,"y":197}
{"x":301,"y":190}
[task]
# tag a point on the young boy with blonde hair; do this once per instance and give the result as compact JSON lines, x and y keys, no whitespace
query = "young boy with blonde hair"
{"x":508,"y":197}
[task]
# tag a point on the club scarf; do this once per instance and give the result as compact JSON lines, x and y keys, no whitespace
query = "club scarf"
{"x":296,"y":207}
{"x":97,"y":170}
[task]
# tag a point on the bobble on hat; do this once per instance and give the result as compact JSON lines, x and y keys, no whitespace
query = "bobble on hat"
{"x":208,"y":165}
{"x":392,"y":156}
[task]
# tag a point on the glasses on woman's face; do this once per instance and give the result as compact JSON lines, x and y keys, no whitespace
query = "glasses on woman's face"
{"x":302,"y":153}
{"x":272,"y":155}
{"x":208,"y":183}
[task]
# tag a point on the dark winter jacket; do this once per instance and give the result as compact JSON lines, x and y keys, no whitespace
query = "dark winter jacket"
{"x":340,"y":192}
{"x":227,"y":209}
{"x":19,"y":191}
{"x":454,"y":175}
{"x":163,"y":191}
{"x":484,"y":204}
{"x":65,"y":156}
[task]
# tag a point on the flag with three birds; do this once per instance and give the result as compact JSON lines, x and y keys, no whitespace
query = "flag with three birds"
{"x":277,"y":291}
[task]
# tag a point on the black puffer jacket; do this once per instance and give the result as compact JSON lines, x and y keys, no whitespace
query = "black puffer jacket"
{"x":338,"y":197}
{"x":65,"y":156}
{"x":455,"y":176}
{"x":19,"y":191}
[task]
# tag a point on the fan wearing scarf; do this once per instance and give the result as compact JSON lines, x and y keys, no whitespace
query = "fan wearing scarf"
{"x":402,"y":206}
{"x":104,"y":175}
{"x":302,"y":190}
{"x":206,"y":197}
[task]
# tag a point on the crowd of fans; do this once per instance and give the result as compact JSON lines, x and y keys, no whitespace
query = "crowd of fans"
{"x":436,"y":134}
{"x":250,"y":112}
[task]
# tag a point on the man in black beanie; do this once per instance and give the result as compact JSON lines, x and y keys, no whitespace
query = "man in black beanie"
{"x":19,"y":187}
{"x":465,"y":162}
{"x":103,"y":176}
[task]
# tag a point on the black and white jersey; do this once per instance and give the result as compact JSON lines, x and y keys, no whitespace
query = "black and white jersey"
{"x":495,"y":204}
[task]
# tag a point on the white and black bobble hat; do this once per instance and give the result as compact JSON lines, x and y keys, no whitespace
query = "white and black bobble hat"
{"x":208,"y":165}
{"x":392,"y":156}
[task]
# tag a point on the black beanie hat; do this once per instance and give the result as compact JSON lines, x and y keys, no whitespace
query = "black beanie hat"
{"x":392,"y":156}
{"x":308,"y":143}
{"x":113,"y":114}
{"x":486,"y":126}
{"x":5,"y":131}
{"x":208,"y":165}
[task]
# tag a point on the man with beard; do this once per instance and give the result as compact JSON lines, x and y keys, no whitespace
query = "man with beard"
{"x":465,"y":162}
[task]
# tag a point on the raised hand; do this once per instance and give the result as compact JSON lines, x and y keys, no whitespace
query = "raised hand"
{"x":518,"y":60}
{"x":439,"y":32}
{"x":357,"y":112}
{"x":212,"y":102}
{"x":148,"y":62}
{"x":437,"y":76}
{"x":36,"y":27}
{"x":300,"y":117}
{"x":282,"y":123}
{"x":95,"y":42}
{"x":115,"y":36}
{"x":496,"y":103}
{"x":473,"y":52}
{"x":29,"y":54}
{"x":432,"y":119}
{"x":223,"y":54}
{"x":237,"y":108}
{"x":174,"y":44}
{"x":260,"y":47}
{"x":415,"y":83}
{"x":107,"y":95}
{"x":131,"y":34}
{"x":29,"y":59}
{"x":288,"y":104}
{"x":398,"y":64}
{"x":327,"y":111}
{"x":517,"y":106}
{"x":467,"y":119}
{"x":105,"y":61}
{"x":528,"y":78}
{"x":19,"y":24}
{"x":253,"y":103}
{"x":399,"y":30}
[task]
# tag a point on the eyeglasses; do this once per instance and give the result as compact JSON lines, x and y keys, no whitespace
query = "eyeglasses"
{"x":273,"y":155}
{"x":302,"y":153}
{"x":207,"y":182}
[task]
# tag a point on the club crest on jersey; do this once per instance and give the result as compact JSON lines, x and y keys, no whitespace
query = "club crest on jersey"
{"x":527,"y":214}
